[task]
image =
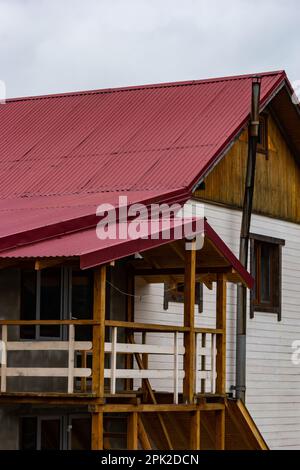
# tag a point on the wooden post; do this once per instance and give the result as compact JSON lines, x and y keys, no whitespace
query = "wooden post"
{"x":97,"y":431}
{"x":132,"y":431}
{"x":220,"y":430}
{"x":99,"y":330}
{"x":221,"y":339}
{"x":195,"y":431}
{"x":189,"y":321}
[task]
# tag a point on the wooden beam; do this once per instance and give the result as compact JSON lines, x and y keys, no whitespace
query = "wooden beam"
{"x":221,"y":339}
{"x":143,"y":436}
{"x":178,"y":250}
{"x":45,"y":263}
{"x":220,"y":430}
{"x":160,"y":408}
{"x":195,"y":431}
{"x":144,"y":326}
{"x":132,"y":431}
{"x":99,"y":331}
{"x":8,"y":263}
{"x":180,"y":271}
{"x":189,"y":322}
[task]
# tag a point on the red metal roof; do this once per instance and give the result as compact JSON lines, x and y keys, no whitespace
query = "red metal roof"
{"x":93,"y":251}
{"x":62,"y":155}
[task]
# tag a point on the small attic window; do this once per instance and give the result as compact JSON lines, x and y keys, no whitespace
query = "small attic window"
{"x":262,"y":143}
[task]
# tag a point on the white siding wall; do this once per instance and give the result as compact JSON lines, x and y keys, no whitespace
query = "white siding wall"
{"x":273,"y":382}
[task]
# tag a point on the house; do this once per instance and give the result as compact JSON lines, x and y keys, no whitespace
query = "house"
{"x":142,"y":343}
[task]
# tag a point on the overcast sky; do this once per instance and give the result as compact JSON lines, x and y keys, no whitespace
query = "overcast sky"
{"x":63,"y":45}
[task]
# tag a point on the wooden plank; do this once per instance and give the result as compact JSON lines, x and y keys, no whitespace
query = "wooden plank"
{"x":99,"y":331}
{"x":251,"y":424}
{"x":189,"y":322}
{"x":221,"y":339}
{"x":144,"y":326}
{"x":97,"y":431}
{"x":144,"y":272}
{"x":161,"y":408}
{"x":195,"y":430}
{"x":45,"y":263}
{"x":143,"y":436}
{"x":220,"y":430}
{"x":132,"y":431}
{"x":277,"y":179}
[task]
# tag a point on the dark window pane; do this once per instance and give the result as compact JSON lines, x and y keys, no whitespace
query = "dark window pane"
{"x":50,"y":304}
{"x":28,"y":434}
{"x":28,"y":302}
{"x":50,"y":434}
{"x":81,"y":434}
{"x":265,"y":275}
{"x":82,"y":301}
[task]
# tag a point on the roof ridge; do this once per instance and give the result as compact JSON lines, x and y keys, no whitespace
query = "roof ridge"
{"x":147,"y":86}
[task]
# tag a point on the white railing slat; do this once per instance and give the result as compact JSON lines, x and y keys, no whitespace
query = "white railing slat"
{"x":113,"y":364}
{"x":4,"y":358}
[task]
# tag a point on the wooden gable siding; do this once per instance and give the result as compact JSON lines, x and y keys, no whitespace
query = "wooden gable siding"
{"x":277,"y":185}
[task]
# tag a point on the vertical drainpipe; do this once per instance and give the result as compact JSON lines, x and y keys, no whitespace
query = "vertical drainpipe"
{"x":241,"y":321}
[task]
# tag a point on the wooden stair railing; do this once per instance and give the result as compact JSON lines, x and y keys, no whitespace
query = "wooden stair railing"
{"x":151,"y":395}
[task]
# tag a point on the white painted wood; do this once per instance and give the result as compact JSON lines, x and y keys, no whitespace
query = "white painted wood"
{"x":46,"y":372}
{"x":71,"y":359}
{"x":48,"y":345}
{"x":213,"y":364}
{"x":127,"y":348}
{"x":113,"y":360}
{"x":176,"y":368}
{"x":4,"y":358}
{"x":143,"y":374}
{"x":198,"y":364}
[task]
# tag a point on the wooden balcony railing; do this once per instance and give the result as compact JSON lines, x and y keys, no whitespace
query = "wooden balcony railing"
{"x":137,"y":346}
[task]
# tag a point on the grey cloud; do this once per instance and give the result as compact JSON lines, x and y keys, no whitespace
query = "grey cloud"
{"x":61,"y":45}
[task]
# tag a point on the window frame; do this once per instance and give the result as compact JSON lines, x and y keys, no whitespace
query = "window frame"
{"x":37,"y":335}
{"x":263,"y":147}
{"x":275,"y":305}
{"x":199,"y":294}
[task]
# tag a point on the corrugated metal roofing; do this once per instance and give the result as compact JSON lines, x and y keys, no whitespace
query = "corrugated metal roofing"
{"x":93,"y":251}
{"x":90,"y":146}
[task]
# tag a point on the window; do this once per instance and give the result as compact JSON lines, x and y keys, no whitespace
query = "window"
{"x":41,"y":293}
{"x":262,"y":143}
{"x":175,"y":293}
{"x":266,"y":255}
{"x":67,"y":432}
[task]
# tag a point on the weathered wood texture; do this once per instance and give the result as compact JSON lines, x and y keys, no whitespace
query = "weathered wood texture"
{"x":277,"y":183}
